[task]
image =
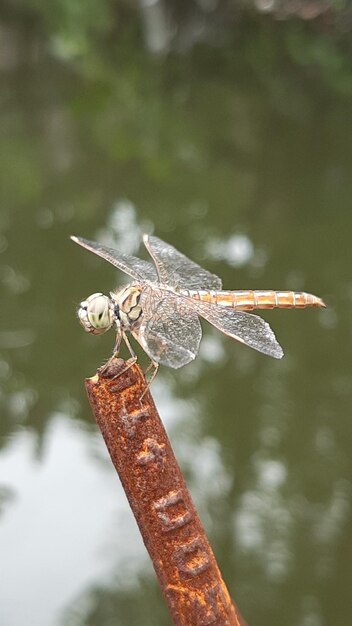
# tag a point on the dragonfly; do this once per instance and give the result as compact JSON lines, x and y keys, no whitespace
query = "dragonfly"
{"x":162,"y":305}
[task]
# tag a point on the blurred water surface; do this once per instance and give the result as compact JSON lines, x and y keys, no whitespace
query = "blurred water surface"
{"x":239,"y":155}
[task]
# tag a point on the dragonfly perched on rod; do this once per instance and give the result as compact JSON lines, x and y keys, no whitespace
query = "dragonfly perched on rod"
{"x":162,"y":306}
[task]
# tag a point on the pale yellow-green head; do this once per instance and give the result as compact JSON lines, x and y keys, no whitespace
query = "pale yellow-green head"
{"x":96,"y":314}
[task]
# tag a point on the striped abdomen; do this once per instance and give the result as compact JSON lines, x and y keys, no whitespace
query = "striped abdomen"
{"x":249,"y":300}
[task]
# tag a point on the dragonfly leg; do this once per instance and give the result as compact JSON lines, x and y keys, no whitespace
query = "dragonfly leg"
{"x":115,"y":352}
{"x":131,"y":361}
{"x":129,"y":347}
{"x":129,"y":364}
{"x":151,"y":365}
{"x":117,"y":345}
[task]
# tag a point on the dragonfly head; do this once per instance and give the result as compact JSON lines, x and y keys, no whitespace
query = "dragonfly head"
{"x":96,"y":314}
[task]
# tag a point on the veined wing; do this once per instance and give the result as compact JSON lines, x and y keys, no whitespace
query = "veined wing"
{"x":176,"y":269}
{"x":137,"y":268}
{"x":249,"y":329}
{"x":170,"y":331}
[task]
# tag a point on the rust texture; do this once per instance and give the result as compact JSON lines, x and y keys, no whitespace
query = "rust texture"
{"x":141,"y":453}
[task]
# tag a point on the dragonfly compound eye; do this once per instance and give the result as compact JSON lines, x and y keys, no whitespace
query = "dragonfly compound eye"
{"x":95,"y":314}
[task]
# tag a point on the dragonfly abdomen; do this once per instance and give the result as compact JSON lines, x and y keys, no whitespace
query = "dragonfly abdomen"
{"x":255,"y":299}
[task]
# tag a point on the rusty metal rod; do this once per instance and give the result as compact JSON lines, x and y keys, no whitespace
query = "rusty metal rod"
{"x":140,"y":450}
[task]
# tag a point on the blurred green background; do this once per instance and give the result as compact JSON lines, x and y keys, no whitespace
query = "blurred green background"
{"x":225,"y":128}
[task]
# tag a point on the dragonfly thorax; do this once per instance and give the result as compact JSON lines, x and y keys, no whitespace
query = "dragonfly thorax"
{"x":126,"y":307}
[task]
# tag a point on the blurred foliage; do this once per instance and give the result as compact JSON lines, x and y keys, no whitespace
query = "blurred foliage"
{"x":73,"y":28}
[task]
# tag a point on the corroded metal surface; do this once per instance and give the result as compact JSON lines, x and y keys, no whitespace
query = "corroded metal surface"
{"x":141,"y":453}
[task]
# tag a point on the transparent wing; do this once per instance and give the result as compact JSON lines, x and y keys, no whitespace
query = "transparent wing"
{"x":131,"y":265}
{"x":176,"y":269}
{"x":170,"y":332}
{"x":246,"y":328}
